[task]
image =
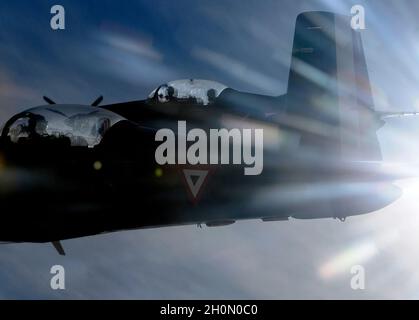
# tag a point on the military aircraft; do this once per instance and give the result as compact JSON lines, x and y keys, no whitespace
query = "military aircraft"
{"x":71,"y":171}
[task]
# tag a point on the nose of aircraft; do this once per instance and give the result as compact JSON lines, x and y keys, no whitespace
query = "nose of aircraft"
{"x":77,"y":125}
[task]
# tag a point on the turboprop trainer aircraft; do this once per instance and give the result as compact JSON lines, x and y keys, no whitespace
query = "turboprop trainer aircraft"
{"x":76,"y":170}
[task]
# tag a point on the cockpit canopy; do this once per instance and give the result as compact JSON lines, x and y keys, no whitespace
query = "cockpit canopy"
{"x":196,"y":91}
{"x":75,"y":125}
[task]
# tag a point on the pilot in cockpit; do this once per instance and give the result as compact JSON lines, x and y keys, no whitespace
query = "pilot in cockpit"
{"x":187,"y":91}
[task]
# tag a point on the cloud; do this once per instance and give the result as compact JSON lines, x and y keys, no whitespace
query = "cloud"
{"x":138,"y":47}
{"x":238,"y":70}
{"x":134,"y":60}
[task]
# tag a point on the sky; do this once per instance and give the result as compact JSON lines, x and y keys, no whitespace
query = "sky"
{"x":123,"y":50}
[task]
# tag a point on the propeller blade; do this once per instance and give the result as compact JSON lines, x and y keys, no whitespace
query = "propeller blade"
{"x":97,"y":101}
{"x":48,"y":100}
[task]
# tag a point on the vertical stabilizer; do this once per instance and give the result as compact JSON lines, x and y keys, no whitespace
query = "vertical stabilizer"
{"x":329,"y":88}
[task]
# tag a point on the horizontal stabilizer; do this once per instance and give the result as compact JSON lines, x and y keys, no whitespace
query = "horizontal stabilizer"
{"x":389,"y":114}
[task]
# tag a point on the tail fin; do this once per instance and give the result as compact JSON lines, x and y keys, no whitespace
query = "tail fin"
{"x":329,"y":87}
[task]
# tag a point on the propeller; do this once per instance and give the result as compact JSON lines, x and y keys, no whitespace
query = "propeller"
{"x":97,"y":101}
{"x":48,"y":100}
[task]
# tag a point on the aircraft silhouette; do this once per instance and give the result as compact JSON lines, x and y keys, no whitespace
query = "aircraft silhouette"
{"x":75,"y":170}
